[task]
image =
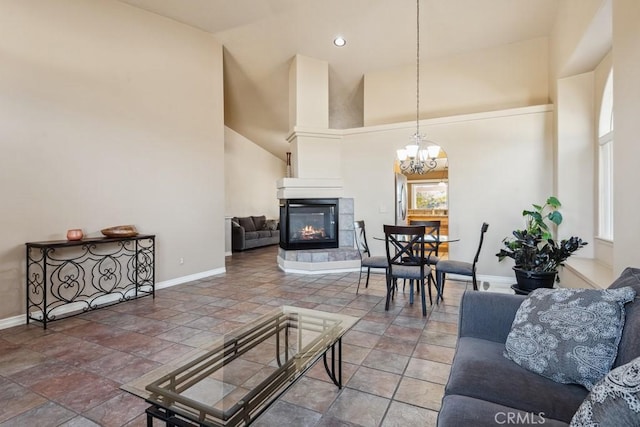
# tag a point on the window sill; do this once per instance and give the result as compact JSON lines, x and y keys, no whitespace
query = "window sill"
{"x":589,"y":270}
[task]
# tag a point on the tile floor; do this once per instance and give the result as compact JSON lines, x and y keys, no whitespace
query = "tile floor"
{"x":396,"y":361}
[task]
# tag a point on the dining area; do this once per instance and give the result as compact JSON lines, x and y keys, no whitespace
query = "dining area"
{"x":412,"y":260}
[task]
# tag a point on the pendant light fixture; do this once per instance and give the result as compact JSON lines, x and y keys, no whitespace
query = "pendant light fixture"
{"x":420,"y":155}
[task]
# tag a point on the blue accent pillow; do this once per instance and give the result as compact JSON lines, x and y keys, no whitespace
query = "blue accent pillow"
{"x":614,"y":401}
{"x":569,"y":335}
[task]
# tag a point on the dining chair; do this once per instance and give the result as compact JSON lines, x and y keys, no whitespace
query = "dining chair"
{"x":431,"y":229}
{"x":444,"y":267}
{"x":366,"y":260}
{"x":406,"y":260}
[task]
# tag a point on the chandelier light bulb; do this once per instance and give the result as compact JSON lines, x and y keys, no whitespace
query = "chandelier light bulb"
{"x":412,"y":150}
{"x":434,"y":151}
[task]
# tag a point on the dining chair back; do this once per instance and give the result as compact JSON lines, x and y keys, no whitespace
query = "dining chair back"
{"x":431,"y":229}
{"x":405,"y":246}
{"x":462,"y":268}
{"x":366,"y":260}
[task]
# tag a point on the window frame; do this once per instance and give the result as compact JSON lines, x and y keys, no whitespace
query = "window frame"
{"x":605,"y":163}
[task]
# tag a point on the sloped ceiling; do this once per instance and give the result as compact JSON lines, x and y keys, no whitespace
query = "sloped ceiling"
{"x":260,"y":37}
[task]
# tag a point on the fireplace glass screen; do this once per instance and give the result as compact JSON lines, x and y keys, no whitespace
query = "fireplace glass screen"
{"x":309,"y":224}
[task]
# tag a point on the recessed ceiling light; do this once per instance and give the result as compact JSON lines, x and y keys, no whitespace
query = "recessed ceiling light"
{"x":339,"y":41}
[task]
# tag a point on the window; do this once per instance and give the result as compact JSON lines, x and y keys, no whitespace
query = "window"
{"x":605,"y":162}
{"x":429,"y":195}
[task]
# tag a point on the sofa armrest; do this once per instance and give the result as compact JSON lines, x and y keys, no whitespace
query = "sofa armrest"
{"x":487,"y":315}
{"x":237,"y":237}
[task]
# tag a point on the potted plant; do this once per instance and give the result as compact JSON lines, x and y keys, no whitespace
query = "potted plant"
{"x":536,"y":254}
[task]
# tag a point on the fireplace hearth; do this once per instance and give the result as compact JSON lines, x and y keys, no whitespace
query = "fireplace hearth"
{"x":309,"y":224}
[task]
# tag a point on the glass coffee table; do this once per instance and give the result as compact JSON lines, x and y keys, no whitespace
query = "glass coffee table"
{"x":235,"y":379}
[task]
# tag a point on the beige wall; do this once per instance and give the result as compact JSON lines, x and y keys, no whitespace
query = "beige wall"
{"x":626,"y":148}
{"x":514,"y":75}
{"x":250,"y":177}
{"x":499,"y":163}
{"x":579,"y":39}
{"x":109,"y":115}
{"x":574,"y":32}
{"x":576,"y":178}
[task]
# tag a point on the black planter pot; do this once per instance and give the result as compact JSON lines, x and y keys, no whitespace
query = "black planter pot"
{"x":530,"y":280}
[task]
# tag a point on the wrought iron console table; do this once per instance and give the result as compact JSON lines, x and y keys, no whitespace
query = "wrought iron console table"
{"x":65,"y":278}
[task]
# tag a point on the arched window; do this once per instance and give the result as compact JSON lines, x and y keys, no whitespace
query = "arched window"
{"x":605,"y":162}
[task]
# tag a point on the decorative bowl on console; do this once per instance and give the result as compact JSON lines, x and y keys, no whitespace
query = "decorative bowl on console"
{"x":120,"y":231}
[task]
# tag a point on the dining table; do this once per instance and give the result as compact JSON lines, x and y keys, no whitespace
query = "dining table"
{"x":430,"y":238}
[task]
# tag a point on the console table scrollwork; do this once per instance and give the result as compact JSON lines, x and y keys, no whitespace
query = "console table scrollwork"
{"x":65,"y":278}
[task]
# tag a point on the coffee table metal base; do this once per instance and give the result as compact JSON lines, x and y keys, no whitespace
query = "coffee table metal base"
{"x":171,"y":419}
{"x":240,"y":377}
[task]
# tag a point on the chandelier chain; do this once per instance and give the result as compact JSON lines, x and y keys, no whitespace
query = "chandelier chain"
{"x":417,"y":70}
{"x":415,"y":158}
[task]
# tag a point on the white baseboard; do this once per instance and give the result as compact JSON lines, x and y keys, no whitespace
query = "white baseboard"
{"x":10,"y":322}
{"x":190,"y":278}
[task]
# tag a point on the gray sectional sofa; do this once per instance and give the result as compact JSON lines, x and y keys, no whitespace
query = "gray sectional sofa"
{"x":253,"y":231}
{"x":487,"y":389}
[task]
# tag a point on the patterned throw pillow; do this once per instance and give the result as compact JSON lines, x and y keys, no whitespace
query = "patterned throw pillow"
{"x":614,"y":401}
{"x":271,"y":224}
{"x":569,"y":335}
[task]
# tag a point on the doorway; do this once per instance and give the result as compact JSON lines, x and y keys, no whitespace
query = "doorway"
{"x":427,"y":196}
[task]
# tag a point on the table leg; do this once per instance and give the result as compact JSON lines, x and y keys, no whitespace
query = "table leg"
{"x":337,"y":380}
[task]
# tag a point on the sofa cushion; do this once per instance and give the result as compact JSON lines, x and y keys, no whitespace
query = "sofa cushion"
{"x":264,"y":234}
{"x":629,"y":347}
{"x":614,"y":401}
{"x":271,"y":224}
{"x":251,"y":235}
{"x":479,"y":370}
{"x":259,"y":222}
{"x":569,"y":335}
{"x":247,"y":223}
{"x":467,"y":411}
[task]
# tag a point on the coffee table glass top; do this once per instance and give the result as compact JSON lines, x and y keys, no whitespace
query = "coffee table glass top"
{"x":234,"y":379}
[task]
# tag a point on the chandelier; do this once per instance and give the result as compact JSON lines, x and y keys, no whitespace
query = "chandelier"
{"x":420,"y":155}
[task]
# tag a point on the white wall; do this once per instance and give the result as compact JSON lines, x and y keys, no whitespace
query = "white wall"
{"x":499,"y":164}
{"x":514,"y":75}
{"x":250,"y":177}
{"x":109,"y":115}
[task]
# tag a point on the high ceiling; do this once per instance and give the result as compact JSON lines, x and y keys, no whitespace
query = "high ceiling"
{"x":260,"y":37}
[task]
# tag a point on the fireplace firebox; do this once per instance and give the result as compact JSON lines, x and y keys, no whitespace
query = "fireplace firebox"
{"x":308,"y":224}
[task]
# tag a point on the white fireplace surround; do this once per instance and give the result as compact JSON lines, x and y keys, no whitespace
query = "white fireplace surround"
{"x":305,"y":188}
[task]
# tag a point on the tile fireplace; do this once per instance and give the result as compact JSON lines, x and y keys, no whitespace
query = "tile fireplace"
{"x":309,"y":224}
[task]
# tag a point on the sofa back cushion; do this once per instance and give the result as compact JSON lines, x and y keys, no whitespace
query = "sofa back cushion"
{"x":247,"y":223}
{"x":259,"y":222}
{"x":629,"y":347}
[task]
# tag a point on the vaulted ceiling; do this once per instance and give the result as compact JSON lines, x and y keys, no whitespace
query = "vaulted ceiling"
{"x":260,"y":37}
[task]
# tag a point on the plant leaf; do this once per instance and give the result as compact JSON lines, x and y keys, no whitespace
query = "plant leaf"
{"x":555,"y":217}
{"x":553,"y":202}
